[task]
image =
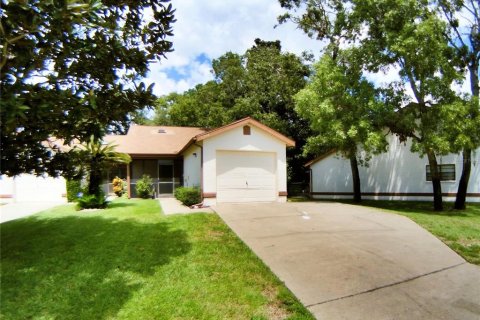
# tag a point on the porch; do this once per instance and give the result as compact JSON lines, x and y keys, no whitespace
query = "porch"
{"x":166,"y":175}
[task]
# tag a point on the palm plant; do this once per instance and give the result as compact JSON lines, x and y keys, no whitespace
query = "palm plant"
{"x":97,"y":157}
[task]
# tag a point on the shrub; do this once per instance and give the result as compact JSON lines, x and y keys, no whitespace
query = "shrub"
{"x":74,"y":187}
{"x":92,"y":201}
{"x":144,"y":187}
{"x":118,"y":186}
{"x":188,"y":196}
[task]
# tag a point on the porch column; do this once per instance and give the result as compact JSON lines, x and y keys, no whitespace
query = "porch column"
{"x":128,"y":181}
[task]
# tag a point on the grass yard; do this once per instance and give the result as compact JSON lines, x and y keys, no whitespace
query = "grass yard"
{"x":131,"y":262}
{"x":460,"y":230}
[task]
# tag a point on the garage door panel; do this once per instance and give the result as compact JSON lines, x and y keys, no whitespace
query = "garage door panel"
{"x":246,"y":176}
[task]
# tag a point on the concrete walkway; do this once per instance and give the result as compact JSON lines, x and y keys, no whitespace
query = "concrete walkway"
{"x":173,"y":206}
{"x":349,"y":262}
{"x":17,"y":210}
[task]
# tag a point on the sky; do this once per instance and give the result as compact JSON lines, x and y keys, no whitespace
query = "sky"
{"x":206,"y":29}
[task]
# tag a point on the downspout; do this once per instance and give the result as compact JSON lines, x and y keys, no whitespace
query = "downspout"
{"x":201,"y":169}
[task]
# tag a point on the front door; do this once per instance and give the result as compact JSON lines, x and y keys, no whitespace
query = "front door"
{"x":165,"y":177}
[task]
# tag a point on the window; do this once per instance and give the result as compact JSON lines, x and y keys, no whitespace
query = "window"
{"x":447,"y":172}
{"x":246,"y":130}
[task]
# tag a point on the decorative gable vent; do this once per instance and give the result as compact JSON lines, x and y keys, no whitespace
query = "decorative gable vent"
{"x":246,"y":130}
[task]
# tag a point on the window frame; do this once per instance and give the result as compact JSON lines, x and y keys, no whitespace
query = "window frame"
{"x":443,"y":172}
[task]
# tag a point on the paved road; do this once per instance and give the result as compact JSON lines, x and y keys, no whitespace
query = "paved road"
{"x":349,"y":262}
{"x":18,"y":210}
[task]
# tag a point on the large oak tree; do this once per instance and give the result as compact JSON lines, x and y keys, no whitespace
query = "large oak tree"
{"x":70,"y":69}
{"x":402,"y":35}
{"x":260,"y":83}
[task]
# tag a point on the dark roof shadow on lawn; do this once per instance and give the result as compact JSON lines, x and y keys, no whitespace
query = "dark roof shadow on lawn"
{"x":79,"y":267}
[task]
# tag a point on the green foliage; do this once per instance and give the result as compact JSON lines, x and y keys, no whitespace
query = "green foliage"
{"x":70,"y":69}
{"x":188,"y":195}
{"x":92,"y":201}
{"x":138,"y":264}
{"x":119,"y":186}
{"x":343,"y":109}
{"x":415,"y":39}
{"x":74,"y":187}
{"x":260,"y":83}
{"x":144,"y":187}
{"x":95,"y":157}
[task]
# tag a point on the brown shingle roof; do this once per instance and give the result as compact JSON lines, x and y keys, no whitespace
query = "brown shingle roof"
{"x":149,"y":140}
{"x":171,"y":141}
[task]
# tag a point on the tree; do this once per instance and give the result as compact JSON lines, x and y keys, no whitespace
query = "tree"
{"x":464,"y":36}
{"x":95,"y":157}
{"x":401,"y":34}
{"x":343,"y":109}
{"x":70,"y":69}
{"x":198,"y":107}
{"x":260,"y":83}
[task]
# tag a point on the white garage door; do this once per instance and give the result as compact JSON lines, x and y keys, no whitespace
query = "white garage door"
{"x":244,"y":176}
{"x":32,"y":188}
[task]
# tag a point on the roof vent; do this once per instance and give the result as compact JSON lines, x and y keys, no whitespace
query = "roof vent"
{"x":162,"y":131}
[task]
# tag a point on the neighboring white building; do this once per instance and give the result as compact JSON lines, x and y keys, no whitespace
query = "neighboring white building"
{"x":397,"y":174}
{"x":244,"y":161}
{"x":30,"y":188}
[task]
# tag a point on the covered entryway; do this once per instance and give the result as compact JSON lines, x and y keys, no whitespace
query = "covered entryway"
{"x":246,"y":176}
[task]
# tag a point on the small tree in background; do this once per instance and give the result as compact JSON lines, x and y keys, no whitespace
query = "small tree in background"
{"x":343,"y":112}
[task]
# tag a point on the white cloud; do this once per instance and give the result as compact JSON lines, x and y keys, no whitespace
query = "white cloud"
{"x":214,"y":27}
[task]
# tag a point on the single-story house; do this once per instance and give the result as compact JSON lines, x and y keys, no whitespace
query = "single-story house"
{"x":244,"y":161}
{"x":397,"y":174}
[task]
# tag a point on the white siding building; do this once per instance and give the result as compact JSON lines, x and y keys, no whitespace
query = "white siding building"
{"x":397,"y":174}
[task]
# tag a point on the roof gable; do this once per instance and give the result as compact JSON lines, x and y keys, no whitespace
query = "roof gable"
{"x":245,"y":121}
{"x":320,"y":158}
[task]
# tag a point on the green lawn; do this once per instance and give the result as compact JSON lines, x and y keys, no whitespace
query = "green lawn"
{"x":131,"y":262}
{"x":460,"y":230}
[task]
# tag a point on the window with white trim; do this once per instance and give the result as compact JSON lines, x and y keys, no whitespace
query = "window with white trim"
{"x":447,"y":172}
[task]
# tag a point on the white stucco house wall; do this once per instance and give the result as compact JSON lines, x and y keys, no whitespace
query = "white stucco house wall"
{"x":397,"y":174}
{"x":244,"y":161}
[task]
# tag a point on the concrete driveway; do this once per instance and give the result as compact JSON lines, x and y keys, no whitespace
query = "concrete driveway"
{"x":17,"y":210}
{"x":349,"y":262}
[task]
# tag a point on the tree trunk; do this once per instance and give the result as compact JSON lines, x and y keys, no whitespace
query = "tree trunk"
{"x":94,"y":181}
{"x":467,"y":153}
{"x":463,"y":183}
{"x":357,"y":194}
{"x":437,"y":186}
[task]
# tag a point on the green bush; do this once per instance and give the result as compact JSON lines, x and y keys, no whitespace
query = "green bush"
{"x":74,"y":187}
{"x":188,"y":196}
{"x":144,"y":187}
{"x":92,"y":201}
